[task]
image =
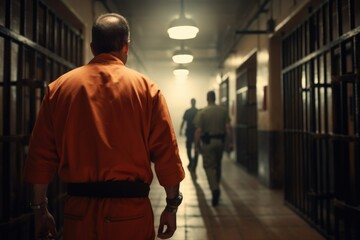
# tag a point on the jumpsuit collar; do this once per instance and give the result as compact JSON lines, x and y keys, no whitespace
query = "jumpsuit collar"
{"x":106,"y":58}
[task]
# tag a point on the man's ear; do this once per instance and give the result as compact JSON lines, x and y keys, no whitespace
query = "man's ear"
{"x":92,"y":49}
{"x":126,"y":48}
{"x":125,"y":52}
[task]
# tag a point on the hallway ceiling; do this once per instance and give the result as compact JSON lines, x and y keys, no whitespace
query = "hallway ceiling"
{"x":150,"y":44}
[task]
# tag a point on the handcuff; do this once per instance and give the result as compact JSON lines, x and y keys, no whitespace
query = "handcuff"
{"x":40,"y":205}
{"x":172,"y":204}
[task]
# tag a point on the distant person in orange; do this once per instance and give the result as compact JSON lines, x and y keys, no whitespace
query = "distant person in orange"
{"x":100,"y":127}
{"x":188,"y":118}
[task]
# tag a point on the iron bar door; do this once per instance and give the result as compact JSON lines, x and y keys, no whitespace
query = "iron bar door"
{"x":321,"y":87}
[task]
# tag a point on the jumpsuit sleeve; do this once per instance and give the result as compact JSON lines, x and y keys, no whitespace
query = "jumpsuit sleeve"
{"x":42,"y":160}
{"x":164,"y":152}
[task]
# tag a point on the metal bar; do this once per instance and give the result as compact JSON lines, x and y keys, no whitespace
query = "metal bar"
{"x":307,"y":138}
{"x":324,"y":24}
{"x":78,"y":56}
{"x":51,"y":31}
{"x":313,"y":168}
{"x":19,"y":98}
{"x":297,"y":40}
{"x":356,"y":43}
{"x":287,"y":182}
{"x":292,"y":49}
{"x":67,"y":43}
{"x":326,"y":48}
{"x":312,"y":127}
{"x":46,"y":28}
{"x":35,"y":21}
{"x":319,"y":155}
{"x":352,"y":13}
{"x":57,"y":35}
{"x":339,"y":17}
{"x":338,"y":137}
{"x":8,"y":11}
{"x":6,"y":112}
{"x":22,"y":17}
{"x":327,"y":150}
{"x":26,"y":82}
{"x":15,"y":138}
{"x":317,"y":29}
{"x":61,"y":38}
{"x":252,"y":32}
{"x":33,"y":45}
{"x":357,"y":82}
{"x":297,"y":121}
{"x":355,"y":211}
{"x":331,"y":23}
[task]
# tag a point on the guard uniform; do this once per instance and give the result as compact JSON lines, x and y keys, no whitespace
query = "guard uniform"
{"x":104,"y":122}
{"x":212,"y":120}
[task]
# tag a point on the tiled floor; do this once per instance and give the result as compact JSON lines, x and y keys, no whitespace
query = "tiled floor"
{"x":247,"y":210}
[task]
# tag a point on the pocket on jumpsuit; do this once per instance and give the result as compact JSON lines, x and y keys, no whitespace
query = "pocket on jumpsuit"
{"x":129,"y":219}
{"x":75,"y":209}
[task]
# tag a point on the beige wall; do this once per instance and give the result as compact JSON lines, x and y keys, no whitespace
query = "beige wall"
{"x":268,"y":48}
{"x":85,"y":10}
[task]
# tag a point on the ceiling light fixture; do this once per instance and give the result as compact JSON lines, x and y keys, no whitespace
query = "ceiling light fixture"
{"x":181,"y":72}
{"x":182,"y":27}
{"x":182,"y":56}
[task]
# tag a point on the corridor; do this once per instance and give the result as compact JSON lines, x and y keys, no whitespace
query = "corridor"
{"x":247,"y":211}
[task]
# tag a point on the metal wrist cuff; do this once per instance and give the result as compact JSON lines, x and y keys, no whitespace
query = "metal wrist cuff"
{"x":171,"y":209}
{"x":40,"y":205}
{"x":175,"y":202}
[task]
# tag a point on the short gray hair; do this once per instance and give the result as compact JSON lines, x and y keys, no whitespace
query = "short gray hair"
{"x":109,"y":33}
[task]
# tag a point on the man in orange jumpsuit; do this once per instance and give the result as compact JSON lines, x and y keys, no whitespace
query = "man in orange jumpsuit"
{"x":100,"y":127}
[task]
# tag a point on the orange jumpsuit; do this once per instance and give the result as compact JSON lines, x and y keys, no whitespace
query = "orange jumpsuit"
{"x":100,"y":122}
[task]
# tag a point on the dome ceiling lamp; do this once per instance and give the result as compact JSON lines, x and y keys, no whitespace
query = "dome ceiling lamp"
{"x":182,"y":27}
{"x":182,"y":56}
{"x":181,"y":72}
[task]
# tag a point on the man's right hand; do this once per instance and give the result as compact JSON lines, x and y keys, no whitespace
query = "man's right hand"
{"x":167,"y":225}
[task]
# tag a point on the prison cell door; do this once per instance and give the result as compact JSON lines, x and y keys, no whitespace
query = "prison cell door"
{"x":36,"y":46}
{"x":246,"y":116}
{"x":321,"y":89}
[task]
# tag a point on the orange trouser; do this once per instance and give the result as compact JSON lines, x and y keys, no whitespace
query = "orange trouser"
{"x":108,"y":219}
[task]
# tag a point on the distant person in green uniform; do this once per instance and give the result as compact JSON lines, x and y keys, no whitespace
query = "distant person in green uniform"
{"x":188,"y":118}
{"x":212,"y":128}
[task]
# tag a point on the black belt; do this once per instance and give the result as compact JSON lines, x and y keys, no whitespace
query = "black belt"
{"x":109,"y":189}
{"x":207,"y":137}
{"x":218,"y":136}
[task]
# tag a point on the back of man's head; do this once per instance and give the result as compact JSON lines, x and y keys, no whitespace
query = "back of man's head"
{"x":109,"y":33}
{"x":210,"y":96}
{"x":193,"y":102}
